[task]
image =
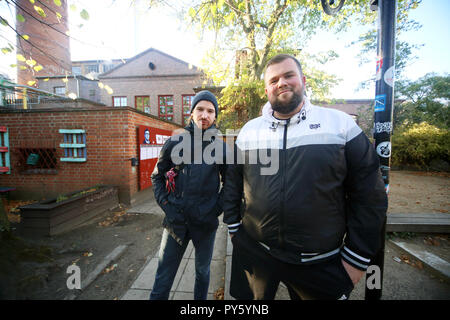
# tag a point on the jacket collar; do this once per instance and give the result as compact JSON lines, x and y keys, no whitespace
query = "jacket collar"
{"x":267,"y":113}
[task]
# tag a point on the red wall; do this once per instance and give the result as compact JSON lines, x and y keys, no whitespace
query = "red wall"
{"x":111,"y":140}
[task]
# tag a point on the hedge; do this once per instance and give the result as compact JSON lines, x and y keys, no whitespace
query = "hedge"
{"x":421,"y":146}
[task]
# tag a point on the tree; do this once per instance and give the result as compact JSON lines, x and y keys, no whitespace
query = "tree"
{"x":404,"y":51}
{"x":265,"y":27}
{"x":32,"y":55}
{"x":426,"y":100}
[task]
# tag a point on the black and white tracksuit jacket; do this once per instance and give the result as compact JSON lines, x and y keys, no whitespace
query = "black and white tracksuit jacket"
{"x":327,"y":196}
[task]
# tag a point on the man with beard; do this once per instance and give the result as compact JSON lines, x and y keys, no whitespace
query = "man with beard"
{"x":316,"y":222}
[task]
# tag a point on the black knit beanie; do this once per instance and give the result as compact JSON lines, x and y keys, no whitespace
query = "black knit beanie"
{"x":205,"y":95}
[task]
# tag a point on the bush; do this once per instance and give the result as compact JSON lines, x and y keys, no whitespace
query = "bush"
{"x":421,"y":145}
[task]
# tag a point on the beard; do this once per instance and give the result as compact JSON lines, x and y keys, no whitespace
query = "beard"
{"x":288,"y":106}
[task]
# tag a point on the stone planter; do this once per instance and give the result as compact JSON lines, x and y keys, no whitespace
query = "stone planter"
{"x":50,"y":217}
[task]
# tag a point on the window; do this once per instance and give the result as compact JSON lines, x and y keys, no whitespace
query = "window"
{"x":165,"y":104}
{"x":76,"y":70}
{"x":59,"y":90}
{"x":142,"y":103}
{"x":92,"y":68}
{"x":107,"y":67}
{"x":4,"y":151}
{"x":120,"y":102}
{"x":186,"y":103}
{"x":92,"y":93}
{"x":74,"y":145}
{"x":36,"y":160}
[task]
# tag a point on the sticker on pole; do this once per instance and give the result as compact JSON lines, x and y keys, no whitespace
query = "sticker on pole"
{"x":389,"y":76}
{"x":378,"y":69}
{"x":384,"y":149}
{"x":380,"y":103}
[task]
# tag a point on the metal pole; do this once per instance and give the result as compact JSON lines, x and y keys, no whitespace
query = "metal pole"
{"x":384,"y":108}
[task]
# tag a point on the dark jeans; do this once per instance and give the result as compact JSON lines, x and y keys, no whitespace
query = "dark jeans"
{"x":170,"y":255}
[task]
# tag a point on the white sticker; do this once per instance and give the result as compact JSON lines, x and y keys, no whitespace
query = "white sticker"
{"x":384,"y":149}
{"x":389,"y":76}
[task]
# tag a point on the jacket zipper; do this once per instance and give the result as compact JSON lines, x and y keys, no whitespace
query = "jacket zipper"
{"x":283,"y":186}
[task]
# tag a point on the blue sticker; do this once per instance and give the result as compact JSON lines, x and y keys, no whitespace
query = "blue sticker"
{"x":380,"y":103}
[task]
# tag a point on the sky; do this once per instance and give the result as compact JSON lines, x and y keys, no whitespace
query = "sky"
{"x":112,"y":32}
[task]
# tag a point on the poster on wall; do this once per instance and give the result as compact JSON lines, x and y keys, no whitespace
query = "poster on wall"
{"x":151,"y":141}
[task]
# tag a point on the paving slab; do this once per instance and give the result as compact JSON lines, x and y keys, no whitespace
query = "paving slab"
{"x":183,"y":285}
{"x":440,"y":266}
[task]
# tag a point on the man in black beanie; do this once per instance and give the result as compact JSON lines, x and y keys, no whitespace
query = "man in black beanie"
{"x":204,"y":109}
{"x":188,"y":193}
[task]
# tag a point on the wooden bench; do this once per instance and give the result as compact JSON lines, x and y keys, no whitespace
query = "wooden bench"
{"x":418,"y":222}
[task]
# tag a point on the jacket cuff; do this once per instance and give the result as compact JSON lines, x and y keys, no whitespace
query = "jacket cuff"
{"x":355,"y":259}
{"x":232,"y":228}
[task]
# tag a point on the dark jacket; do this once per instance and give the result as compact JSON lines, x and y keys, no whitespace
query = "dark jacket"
{"x":327,"y":187}
{"x":197,"y":201}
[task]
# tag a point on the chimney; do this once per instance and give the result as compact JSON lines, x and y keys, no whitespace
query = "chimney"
{"x":50,"y":45}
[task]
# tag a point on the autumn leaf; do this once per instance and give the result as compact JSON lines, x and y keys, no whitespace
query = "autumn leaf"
{"x":20,"y":18}
{"x":84,"y":14}
{"x":38,"y":68}
{"x":20,"y":57}
{"x":31,"y":82}
{"x":40,"y":11}
{"x":108,"y":270}
{"x":31,"y":62}
{"x":72,"y":95}
{"x":57,"y":2}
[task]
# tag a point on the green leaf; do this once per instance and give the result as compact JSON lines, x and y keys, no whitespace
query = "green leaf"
{"x":6,"y":50}
{"x":84,"y":14}
{"x":20,"y":18}
{"x":3,"y":22}
{"x":57,"y":2}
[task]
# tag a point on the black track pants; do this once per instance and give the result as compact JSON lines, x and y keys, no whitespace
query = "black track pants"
{"x":255,"y":274}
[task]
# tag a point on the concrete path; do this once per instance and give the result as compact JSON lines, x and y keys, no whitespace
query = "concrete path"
{"x":183,"y":286}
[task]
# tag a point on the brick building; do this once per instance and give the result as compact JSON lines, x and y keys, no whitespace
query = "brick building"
{"x":110,"y":138}
{"x":155,"y":83}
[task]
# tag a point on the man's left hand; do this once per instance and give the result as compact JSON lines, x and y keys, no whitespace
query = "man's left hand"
{"x":355,"y":274}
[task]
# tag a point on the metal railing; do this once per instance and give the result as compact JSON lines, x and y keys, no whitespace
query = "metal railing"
{"x":16,"y":96}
